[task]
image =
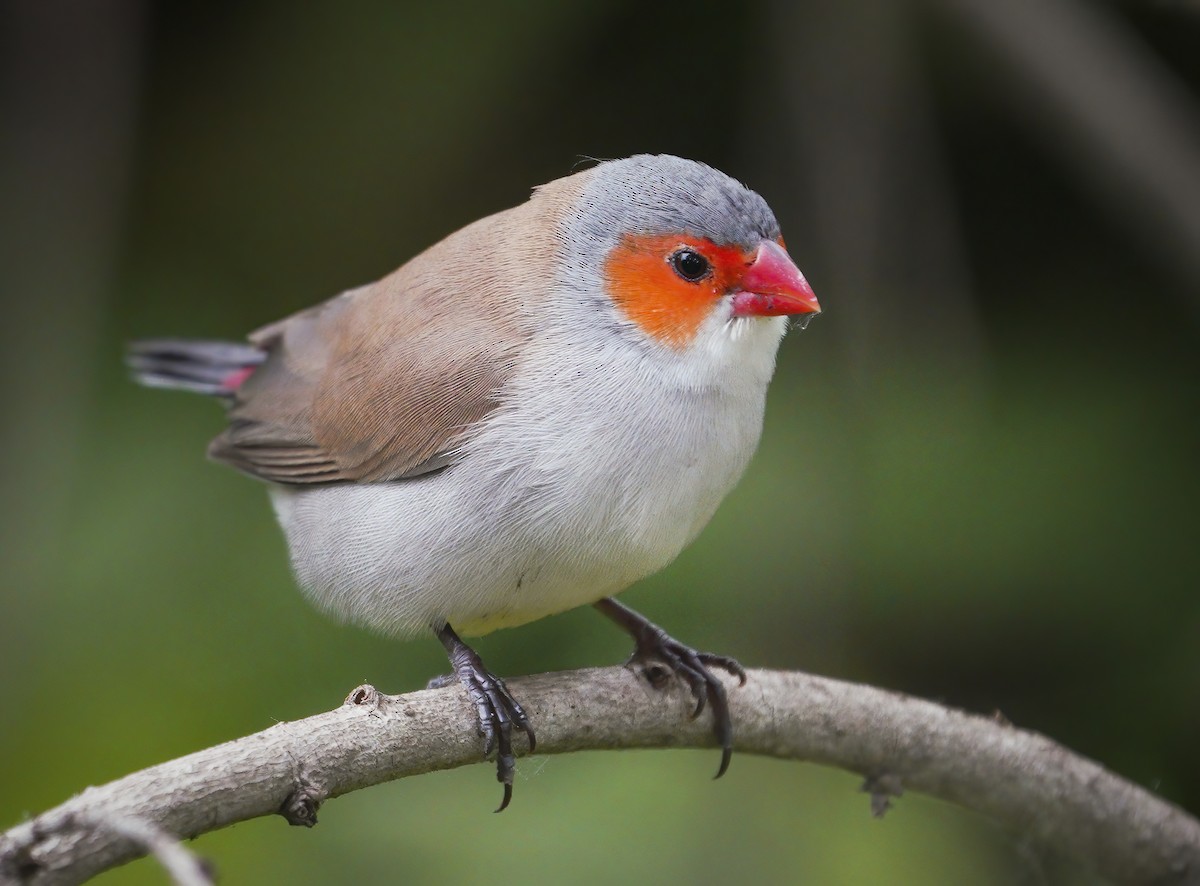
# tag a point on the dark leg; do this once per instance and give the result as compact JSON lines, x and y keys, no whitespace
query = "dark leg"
{"x":654,"y":647}
{"x":498,"y":711}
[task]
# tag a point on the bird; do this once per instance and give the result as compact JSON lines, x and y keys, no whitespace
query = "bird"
{"x":527,"y":417}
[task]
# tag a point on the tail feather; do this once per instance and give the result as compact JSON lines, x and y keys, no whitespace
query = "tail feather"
{"x":215,"y":368}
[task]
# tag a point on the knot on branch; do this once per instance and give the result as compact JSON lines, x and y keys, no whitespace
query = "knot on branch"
{"x":882,"y":788}
{"x":366,"y":696}
{"x":300,"y":807}
{"x":18,"y":865}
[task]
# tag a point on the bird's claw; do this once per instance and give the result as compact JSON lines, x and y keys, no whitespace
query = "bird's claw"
{"x":657,"y":651}
{"x":498,"y":712}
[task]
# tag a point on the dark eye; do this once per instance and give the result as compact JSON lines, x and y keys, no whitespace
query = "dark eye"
{"x":689,"y":265}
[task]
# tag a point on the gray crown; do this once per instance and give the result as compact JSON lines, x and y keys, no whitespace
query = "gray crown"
{"x":659,"y":194}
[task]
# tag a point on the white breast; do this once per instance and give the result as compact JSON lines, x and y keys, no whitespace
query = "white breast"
{"x":596,"y":472}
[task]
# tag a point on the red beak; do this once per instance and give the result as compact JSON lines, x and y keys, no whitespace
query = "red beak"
{"x":773,"y":286}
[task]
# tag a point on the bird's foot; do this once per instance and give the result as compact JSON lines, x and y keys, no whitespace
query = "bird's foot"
{"x":499,"y":713}
{"x":660,"y":656}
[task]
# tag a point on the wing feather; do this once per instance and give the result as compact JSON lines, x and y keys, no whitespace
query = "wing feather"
{"x":388,"y":381}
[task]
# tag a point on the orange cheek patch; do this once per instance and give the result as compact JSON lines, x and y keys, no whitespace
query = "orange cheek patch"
{"x":643,"y":285}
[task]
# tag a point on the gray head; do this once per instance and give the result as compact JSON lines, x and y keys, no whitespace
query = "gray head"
{"x":674,"y":250}
{"x":660,"y":194}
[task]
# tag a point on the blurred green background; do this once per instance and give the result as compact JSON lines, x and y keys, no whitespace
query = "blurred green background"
{"x":978,"y":480}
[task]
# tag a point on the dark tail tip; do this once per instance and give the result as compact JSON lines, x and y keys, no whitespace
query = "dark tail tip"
{"x":214,"y":368}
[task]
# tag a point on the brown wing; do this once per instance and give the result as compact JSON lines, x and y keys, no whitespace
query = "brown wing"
{"x":383,"y":382}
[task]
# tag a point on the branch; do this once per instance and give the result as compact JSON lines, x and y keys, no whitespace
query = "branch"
{"x":1035,"y":787}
